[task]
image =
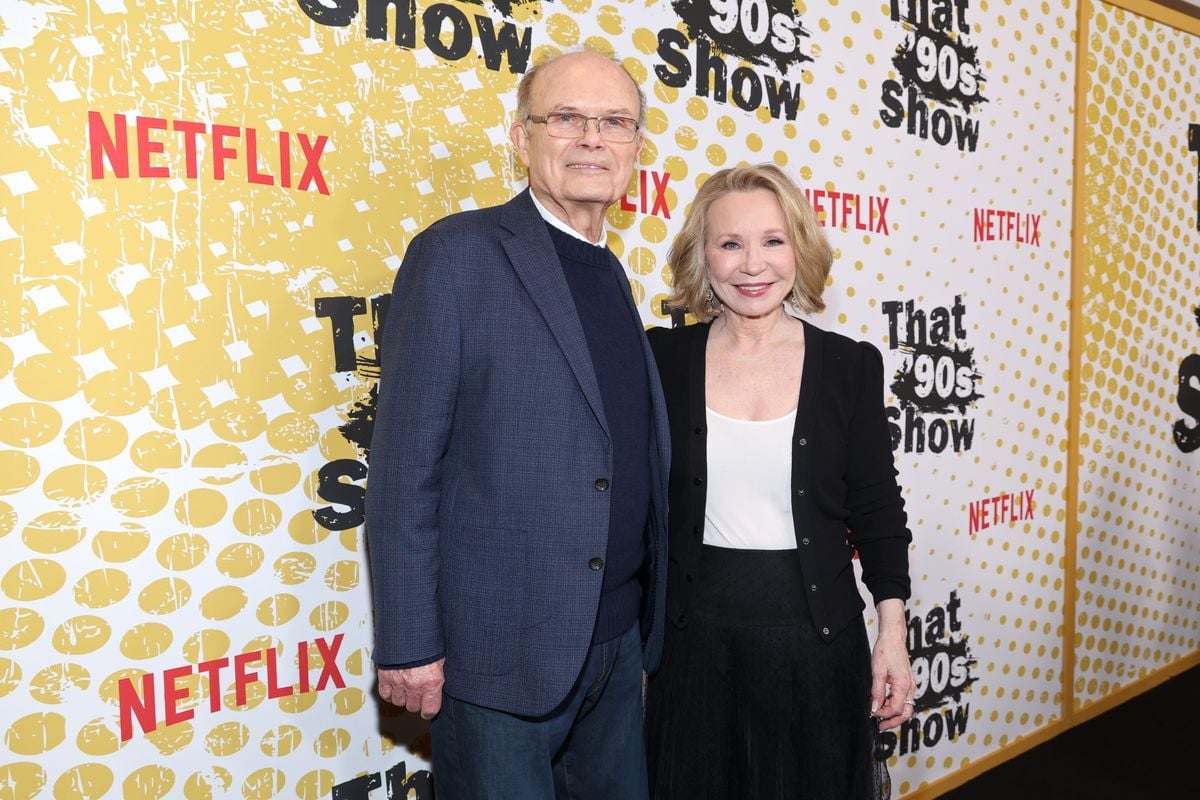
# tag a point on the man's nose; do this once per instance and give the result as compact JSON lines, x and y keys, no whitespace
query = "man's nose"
{"x":591,"y":132}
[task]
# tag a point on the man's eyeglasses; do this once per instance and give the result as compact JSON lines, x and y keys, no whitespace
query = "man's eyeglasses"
{"x":568,"y":125}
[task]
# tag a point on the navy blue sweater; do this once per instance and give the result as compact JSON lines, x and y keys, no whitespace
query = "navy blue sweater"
{"x":613,"y":333}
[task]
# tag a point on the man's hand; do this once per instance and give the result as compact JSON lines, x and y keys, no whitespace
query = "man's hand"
{"x":417,"y":689}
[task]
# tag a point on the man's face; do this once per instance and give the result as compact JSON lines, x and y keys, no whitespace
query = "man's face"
{"x":587,"y":170}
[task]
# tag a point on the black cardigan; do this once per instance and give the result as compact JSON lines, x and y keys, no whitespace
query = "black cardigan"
{"x":844,"y":491}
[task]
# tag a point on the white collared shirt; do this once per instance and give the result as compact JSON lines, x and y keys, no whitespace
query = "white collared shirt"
{"x":564,"y":227}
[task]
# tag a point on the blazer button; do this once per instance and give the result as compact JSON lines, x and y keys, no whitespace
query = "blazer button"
{"x":596,"y":563}
{"x":698,"y":480}
{"x":804,"y":541}
{"x":601,"y":484}
{"x":803,"y":442}
{"x":800,"y":492}
{"x":825,"y":631}
{"x":812,"y":588}
{"x":699,"y":431}
{"x":683,"y":619}
{"x":690,"y":577}
{"x":697,"y":530}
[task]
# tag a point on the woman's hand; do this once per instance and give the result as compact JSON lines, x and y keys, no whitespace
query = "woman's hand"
{"x":892,"y":685}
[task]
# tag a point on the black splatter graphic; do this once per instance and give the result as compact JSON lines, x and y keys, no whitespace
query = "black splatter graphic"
{"x":909,"y":384}
{"x":907,"y":65}
{"x":954,"y":653}
{"x":779,"y":35}
{"x":360,"y":422}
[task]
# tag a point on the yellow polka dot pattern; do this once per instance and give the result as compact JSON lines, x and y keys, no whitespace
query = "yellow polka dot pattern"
{"x":1138,"y":565}
{"x":170,"y":394}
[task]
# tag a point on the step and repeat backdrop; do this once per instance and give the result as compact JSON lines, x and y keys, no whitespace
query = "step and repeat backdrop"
{"x":202,"y":211}
{"x":1138,"y":543}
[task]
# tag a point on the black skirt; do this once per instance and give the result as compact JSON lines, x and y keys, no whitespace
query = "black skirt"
{"x":750,"y":703}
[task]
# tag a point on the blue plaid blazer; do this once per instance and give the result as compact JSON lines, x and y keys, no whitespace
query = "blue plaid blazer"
{"x":483,"y":510}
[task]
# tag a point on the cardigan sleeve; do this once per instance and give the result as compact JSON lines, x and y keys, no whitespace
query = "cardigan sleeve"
{"x":877,"y":523}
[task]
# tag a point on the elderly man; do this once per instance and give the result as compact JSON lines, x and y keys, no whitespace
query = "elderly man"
{"x":516,"y":505}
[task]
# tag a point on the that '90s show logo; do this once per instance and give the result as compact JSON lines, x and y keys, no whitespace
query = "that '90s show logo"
{"x":766,"y":34}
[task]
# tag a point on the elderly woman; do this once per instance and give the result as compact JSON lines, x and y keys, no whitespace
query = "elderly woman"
{"x":782,"y":473}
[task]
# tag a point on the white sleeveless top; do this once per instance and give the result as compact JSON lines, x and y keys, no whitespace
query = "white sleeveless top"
{"x":749,"y":500}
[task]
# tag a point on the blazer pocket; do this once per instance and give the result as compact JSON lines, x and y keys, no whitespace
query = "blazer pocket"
{"x":482,"y":592}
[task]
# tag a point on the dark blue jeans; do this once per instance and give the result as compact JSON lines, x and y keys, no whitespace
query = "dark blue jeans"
{"x":589,"y":748}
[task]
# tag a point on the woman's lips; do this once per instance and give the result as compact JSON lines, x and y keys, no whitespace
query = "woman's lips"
{"x":752,"y":289}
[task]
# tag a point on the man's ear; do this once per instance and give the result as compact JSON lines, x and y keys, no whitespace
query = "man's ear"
{"x":519,"y":136}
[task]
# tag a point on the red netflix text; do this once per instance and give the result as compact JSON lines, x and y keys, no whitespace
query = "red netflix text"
{"x":849,"y":210}
{"x":145,"y":708}
{"x":1003,"y":509}
{"x":994,"y":225}
{"x":652,"y":200}
{"x":150,"y":143}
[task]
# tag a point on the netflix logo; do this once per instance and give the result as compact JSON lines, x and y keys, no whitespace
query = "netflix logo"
{"x":995,"y":225}
{"x":297,"y":168}
{"x":165,"y":687}
{"x":1004,"y":509}
{"x":849,"y":210}
{"x":649,"y":198}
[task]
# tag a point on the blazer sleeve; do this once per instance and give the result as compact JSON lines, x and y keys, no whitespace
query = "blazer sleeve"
{"x":877,"y":523}
{"x":418,"y":384}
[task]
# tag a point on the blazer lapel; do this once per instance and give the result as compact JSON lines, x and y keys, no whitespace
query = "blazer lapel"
{"x":531,"y":252}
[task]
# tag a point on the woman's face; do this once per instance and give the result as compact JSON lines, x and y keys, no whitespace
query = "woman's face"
{"x":750,"y":262}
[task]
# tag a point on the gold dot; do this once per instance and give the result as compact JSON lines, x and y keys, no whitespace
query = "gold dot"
{"x":147,"y":640}
{"x":32,"y":580}
{"x":240,"y":560}
{"x":140,"y":497}
{"x":257,"y":517}
{"x":157,"y":450}
{"x":35,"y":734}
{"x":85,"y":781}
{"x":97,"y":738}
{"x":201,"y":785}
{"x":29,"y":424}
{"x":17,"y":471}
{"x":51,"y":377}
{"x":95,"y":439}
{"x":75,"y":484}
{"x":101,"y":588}
{"x":223,"y":603}
{"x":151,"y":782}
{"x":121,"y":545}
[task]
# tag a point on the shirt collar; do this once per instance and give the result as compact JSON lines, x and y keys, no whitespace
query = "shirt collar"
{"x":564,"y":227}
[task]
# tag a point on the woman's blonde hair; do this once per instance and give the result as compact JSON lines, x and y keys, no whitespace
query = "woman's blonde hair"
{"x":813,"y":254}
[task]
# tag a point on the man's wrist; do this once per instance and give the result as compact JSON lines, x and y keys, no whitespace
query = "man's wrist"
{"x":421,"y":662}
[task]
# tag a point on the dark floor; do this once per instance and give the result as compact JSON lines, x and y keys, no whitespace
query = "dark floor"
{"x":1143,"y":748}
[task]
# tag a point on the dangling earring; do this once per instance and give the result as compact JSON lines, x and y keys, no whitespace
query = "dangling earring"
{"x":710,"y":299}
